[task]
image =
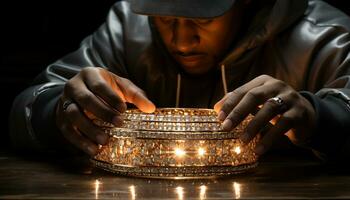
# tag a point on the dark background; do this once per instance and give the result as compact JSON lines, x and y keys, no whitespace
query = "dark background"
{"x":35,"y":34}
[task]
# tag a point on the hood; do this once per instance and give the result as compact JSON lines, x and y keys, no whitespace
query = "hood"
{"x":271,"y":18}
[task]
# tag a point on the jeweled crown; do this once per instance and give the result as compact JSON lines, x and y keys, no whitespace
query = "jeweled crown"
{"x":175,"y":143}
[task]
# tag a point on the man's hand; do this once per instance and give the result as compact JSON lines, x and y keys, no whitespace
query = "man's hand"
{"x":293,"y":116}
{"x":99,"y":93}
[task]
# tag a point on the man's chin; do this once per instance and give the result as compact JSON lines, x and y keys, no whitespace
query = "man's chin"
{"x":197,"y":69}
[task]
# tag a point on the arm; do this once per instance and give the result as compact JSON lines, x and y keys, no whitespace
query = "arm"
{"x":330,"y":78}
{"x":318,"y":118}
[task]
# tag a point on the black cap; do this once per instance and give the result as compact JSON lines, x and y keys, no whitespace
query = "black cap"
{"x":182,"y":8}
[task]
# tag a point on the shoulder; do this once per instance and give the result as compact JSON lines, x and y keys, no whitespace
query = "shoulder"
{"x":132,"y":29}
{"x":321,"y":25}
{"x":321,"y":14}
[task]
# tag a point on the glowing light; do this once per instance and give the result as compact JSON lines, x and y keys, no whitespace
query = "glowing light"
{"x":180,"y":192}
{"x":97,"y":188}
{"x":201,"y":152}
{"x":202,"y":192}
{"x":132,"y":192}
{"x":237,"y":150}
{"x":237,"y":190}
{"x":179,"y":152}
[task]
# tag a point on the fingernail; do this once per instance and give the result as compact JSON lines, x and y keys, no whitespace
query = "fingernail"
{"x":260,"y":149}
{"x":118,"y":120}
{"x":102,"y":138}
{"x":121,"y":107}
{"x":150,"y":108}
{"x":227,"y":125}
{"x":221,"y":116}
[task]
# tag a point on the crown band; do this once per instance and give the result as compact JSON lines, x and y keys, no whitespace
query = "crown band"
{"x":188,"y":143}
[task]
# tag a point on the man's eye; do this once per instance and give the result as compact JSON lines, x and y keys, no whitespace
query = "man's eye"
{"x":166,"y":20}
{"x":204,"y":21}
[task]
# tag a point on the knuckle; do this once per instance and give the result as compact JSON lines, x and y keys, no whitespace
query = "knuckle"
{"x":293,"y":95}
{"x":87,"y":70}
{"x":124,"y":80}
{"x":229,"y":94}
{"x":120,"y":78}
{"x":68,"y":87}
{"x":279,"y":84}
{"x":288,"y":118}
{"x":255,"y":95}
{"x":97,"y":85}
{"x":237,"y":91}
{"x":264,"y":77}
{"x":84,"y":99}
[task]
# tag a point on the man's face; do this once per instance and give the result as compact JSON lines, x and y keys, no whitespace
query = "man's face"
{"x":199,"y":44}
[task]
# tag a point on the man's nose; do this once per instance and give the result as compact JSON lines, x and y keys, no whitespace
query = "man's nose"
{"x":185,"y":37}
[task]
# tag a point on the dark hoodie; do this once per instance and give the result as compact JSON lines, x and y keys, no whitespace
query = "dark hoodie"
{"x":303,"y":43}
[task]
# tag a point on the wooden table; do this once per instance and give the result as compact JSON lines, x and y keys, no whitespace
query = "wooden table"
{"x":276,"y":177}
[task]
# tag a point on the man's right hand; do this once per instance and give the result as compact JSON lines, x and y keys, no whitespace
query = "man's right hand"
{"x":99,"y":93}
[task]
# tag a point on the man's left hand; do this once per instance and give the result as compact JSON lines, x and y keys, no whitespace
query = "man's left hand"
{"x":292,"y":114}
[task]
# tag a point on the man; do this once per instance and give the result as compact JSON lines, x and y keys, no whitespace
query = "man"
{"x":289,"y":58}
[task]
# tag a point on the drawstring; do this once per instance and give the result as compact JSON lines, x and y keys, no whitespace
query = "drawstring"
{"x":178,"y":89}
{"x":223,"y":78}
{"x":178,"y":86}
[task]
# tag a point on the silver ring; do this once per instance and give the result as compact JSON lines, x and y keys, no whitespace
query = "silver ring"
{"x":66,"y":103}
{"x":277,"y":100}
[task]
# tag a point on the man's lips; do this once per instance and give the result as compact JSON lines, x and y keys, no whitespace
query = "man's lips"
{"x":189,"y":58}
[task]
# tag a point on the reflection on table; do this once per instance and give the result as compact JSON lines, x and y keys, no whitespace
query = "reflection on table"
{"x":277,"y":176}
{"x":180,"y":191}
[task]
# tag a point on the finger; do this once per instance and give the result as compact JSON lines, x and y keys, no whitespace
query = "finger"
{"x":230,"y":100}
{"x":73,"y":136}
{"x":219,"y":104}
{"x":264,"y":116}
{"x":103,"y":85}
{"x":284,"y":123}
{"x":135,"y":95}
{"x":248,"y":104}
{"x":91,"y":103}
{"x":85,"y":125}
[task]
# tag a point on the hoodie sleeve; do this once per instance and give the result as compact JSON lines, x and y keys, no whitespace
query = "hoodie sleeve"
{"x":329,"y":76}
{"x":331,"y":139}
{"x":32,"y":118}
